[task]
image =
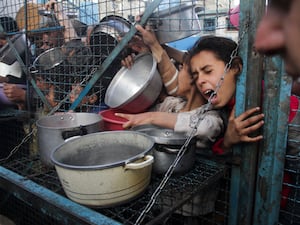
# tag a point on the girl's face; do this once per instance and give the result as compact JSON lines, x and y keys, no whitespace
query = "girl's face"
{"x":184,"y":81}
{"x":207,"y":71}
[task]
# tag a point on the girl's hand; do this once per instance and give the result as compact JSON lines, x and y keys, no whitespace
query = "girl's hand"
{"x":135,"y":119}
{"x":239,"y":128}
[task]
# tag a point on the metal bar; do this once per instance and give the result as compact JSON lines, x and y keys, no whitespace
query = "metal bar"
{"x":48,"y":202}
{"x":271,"y":162}
{"x":115,"y":53}
{"x":243,"y":177}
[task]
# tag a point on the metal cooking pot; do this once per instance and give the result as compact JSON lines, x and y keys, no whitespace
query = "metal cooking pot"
{"x":121,"y":24}
{"x":135,"y":89}
{"x":102,"y":41}
{"x":49,"y":59}
{"x":105,"y":35}
{"x":56,"y":129}
{"x":104,"y":169}
{"x":167,"y":145}
{"x":174,"y":23}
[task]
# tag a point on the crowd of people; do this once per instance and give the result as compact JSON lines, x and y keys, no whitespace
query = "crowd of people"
{"x":199,"y":89}
{"x":61,"y":60}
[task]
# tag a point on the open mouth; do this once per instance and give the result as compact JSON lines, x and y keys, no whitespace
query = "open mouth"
{"x":209,"y":93}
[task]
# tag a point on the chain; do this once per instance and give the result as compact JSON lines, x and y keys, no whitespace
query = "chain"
{"x":16,"y":148}
{"x":190,"y":136}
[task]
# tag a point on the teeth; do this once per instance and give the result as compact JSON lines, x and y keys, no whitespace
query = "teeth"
{"x":208,"y":92}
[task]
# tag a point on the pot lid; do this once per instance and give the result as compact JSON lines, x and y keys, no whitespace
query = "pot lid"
{"x":162,"y":135}
{"x":49,"y":59}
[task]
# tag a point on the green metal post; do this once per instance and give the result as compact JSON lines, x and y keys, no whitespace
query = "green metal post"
{"x":272,"y":154}
{"x":243,"y":176}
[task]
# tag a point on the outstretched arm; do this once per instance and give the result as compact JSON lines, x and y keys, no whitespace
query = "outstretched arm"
{"x":163,"y":119}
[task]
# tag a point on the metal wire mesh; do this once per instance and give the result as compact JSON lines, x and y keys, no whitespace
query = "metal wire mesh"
{"x":290,"y":203}
{"x":64,"y":52}
{"x":179,"y":191}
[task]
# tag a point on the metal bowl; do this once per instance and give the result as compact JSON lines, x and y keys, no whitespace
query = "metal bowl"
{"x":175,"y":22}
{"x":135,"y":89}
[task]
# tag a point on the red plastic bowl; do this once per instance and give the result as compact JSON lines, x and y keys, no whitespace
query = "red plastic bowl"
{"x":112,"y":122}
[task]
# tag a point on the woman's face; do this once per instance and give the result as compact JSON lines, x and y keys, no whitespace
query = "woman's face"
{"x":184,"y":81}
{"x":207,"y":70}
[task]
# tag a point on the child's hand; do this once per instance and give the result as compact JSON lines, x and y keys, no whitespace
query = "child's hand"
{"x":135,"y":119}
{"x":239,"y":128}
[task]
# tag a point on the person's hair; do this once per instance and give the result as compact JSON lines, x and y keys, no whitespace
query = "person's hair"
{"x":8,"y":24}
{"x":222,"y":47}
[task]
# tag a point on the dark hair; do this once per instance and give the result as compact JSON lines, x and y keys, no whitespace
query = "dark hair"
{"x":222,"y":47}
{"x":9,"y":24}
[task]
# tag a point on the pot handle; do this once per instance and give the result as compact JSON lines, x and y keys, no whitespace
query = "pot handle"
{"x":148,"y":160}
{"x":169,"y":150}
{"x":80,"y":131}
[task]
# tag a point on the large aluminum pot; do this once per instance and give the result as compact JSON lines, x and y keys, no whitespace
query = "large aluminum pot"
{"x":56,"y":129}
{"x":175,"y":22}
{"x":135,"y":89}
{"x":104,"y":169}
{"x":167,"y":145}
